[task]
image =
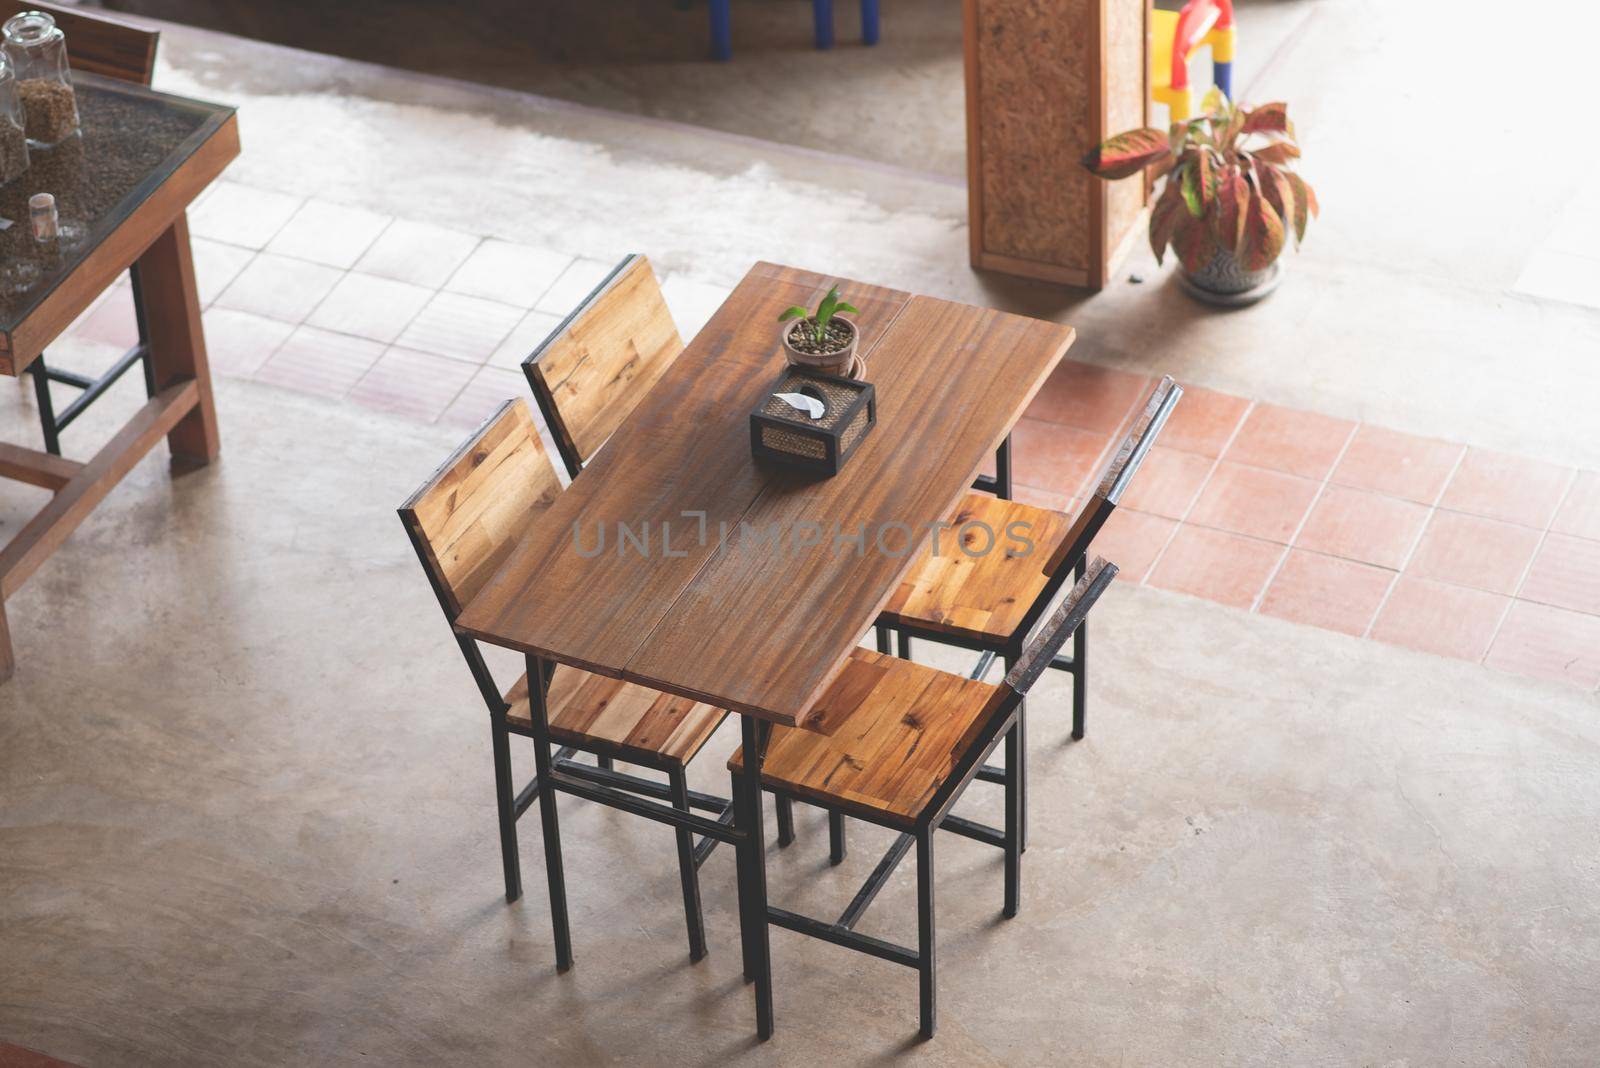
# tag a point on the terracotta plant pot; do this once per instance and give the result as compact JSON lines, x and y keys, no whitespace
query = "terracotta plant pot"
{"x":839,"y":362}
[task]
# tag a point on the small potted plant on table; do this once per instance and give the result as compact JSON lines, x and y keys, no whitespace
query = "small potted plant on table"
{"x":1231,"y":199}
{"x":821,"y":340}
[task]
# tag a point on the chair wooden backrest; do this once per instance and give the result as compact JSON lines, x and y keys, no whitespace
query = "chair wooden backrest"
{"x":465,"y":520}
{"x":603,"y":358}
{"x":1066,"y":619}
{"x":97,"y":43}
{"x":985,"y":730}
{"x":1074,"y":548}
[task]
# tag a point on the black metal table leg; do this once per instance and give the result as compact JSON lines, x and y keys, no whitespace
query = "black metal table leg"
{"x":905,"y":645}
{"x":538,"y":680}
{"x":883,"y":639}
{"x":753,"y":873}
{"x":785,"y":806}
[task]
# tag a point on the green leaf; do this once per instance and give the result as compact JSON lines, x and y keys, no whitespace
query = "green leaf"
{"x":825,"y":309}
{"x":850,"y":308}
{"x":1127,"y":153}
{"x":1215,"y":102}
{"x":793,"y":312}
{"x":1189,"y":186}
{"x":1304,"y":203}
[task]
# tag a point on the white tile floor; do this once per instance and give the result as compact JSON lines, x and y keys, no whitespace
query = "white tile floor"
{"x":396,"y":314}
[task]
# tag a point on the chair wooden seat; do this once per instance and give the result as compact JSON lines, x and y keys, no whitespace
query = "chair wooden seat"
{"x":981,"y":597}
{"x":632,"y":722}
{"x":879,"y":741}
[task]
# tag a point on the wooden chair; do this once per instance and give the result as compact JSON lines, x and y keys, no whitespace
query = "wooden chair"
{"x":990,"y":602}
{"x":117,"y":50}
{"x":463,"y":522}
{"x":603,"y":358}
{"x":596,"y":366}
{"x":895,"y":743}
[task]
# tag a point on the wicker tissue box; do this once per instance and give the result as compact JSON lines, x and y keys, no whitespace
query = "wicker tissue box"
{"x":781,"y":432}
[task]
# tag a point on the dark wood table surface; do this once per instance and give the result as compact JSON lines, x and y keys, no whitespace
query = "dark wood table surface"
{"x":736,"y":621}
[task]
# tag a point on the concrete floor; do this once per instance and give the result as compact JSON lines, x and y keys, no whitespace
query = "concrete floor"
{"x":245,"y":804}
{"x":248,"y":820}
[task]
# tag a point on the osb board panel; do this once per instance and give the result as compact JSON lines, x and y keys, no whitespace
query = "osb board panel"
{"x":1126,"y":107}
{"x":1035,"y":97}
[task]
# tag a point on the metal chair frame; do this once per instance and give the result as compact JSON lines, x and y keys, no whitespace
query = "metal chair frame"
{"x":609,"y":786}
{"x":1003,"y":722}
{"x":1068,"y":560}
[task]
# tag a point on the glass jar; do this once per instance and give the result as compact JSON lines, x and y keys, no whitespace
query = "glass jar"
{"x":13,"y":140}
{"x":38,"y":52}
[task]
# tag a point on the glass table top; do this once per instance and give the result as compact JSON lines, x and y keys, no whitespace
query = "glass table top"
{"x":133,"y":139}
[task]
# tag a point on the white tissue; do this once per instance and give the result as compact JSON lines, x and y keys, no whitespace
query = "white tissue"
{"x":810,"y":405}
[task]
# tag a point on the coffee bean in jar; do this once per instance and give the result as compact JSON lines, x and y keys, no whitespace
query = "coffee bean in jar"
{"x":52,"y":110}
{"x":37,"y":51}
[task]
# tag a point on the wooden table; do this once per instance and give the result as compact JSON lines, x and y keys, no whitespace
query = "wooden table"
{"x":734,"y":620}
{"x":122,"y":189}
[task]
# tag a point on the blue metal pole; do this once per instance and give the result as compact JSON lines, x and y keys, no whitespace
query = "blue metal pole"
{"x":869,"y":22}
{"x":822,"y":15}
{"x":721,"y":30}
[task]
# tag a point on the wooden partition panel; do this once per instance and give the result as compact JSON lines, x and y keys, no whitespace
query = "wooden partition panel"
{"x":1046,"y":80}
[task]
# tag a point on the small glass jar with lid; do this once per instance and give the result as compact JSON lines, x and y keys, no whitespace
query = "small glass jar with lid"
{"x":13,"y":140}
{"x":38,"y":52}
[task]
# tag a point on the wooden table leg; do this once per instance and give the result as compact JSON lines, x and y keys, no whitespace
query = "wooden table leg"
{"x":177,"y":341}
{"x":8,"y":659}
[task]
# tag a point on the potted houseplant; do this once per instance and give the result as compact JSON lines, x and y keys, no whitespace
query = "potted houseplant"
{"x":821,"y":340}
{"x":1231,"y":201}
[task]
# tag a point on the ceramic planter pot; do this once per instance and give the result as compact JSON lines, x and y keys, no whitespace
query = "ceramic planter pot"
{"x":1223,"y":282}
{"x":839,"y":362}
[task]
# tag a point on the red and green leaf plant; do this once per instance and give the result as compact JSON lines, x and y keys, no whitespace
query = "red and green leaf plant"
{"x":1229,"y":182}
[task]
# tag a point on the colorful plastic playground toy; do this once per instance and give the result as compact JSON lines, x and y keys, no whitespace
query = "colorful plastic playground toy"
{"x":1177,"y":31}
{"x":821,"y":14}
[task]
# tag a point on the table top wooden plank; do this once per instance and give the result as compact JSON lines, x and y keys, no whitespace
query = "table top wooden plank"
{"x":684,"y":448}
{"x":951,"y":381}
{"x":725,"y":619}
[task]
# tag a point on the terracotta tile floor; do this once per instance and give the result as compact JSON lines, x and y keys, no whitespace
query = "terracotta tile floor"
{"x":1354,"y":528}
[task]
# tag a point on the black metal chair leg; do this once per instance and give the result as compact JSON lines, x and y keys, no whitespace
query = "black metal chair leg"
{"x":47,"y":410}
{"x":687,"y":871}
{"x":905,"y":645}
{"x":835,"y":837}
{"x":506,"y":800}
{"x":605,"y":762}
{"x":1020,"y":753}
{"x":1013,"y":822}
{"x":1002,"y":470}
{"x":559,"y":925}
{"x":927,"y":974}
{"x":1080,"y":681}
{"x":785,"y":807}
{"x":883,"y":639}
